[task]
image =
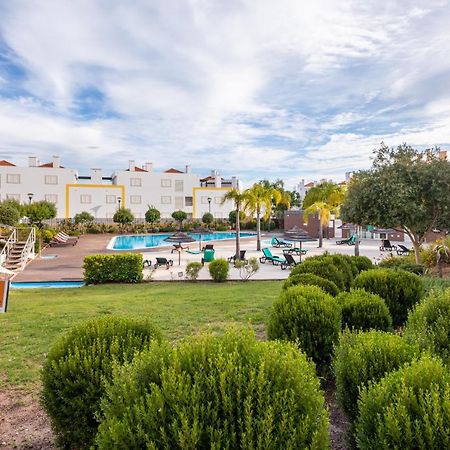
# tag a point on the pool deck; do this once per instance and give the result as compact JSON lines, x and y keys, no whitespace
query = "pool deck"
{"x":68,"y":263}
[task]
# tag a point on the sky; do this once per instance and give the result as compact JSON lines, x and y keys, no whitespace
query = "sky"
{"x":258,"y":89}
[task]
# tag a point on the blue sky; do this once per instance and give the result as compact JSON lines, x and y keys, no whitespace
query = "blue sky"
{"x":257,"y":89}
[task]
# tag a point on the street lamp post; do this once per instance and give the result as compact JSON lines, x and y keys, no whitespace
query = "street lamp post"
{"x":30,"y":197}
{"x":209,"y":204}
{"x":119,"y":199}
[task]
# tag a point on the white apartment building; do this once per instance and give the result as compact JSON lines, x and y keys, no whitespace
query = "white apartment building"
{"x":135,"y":188}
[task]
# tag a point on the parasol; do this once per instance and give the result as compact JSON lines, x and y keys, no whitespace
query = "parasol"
{"x":296,"y":234}
{"x":179,"y":238}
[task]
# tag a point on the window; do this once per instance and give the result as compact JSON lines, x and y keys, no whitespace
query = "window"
{"x":51,"y":179}
{"x":166,"y":200}
{"x":135,"y":182}
{"x":179,"y":185}
{"x":218,"y":200}
{"x":85,"y":198}
{"x":52,"y":198}
{"x":15,"y":197}
{"x":135,"y":199}
{"x":13,"y":178}
{"x":187,"y":201}
{"x":179,"y":202}
{"x":111,"y":199}
{"x":165,"y":182}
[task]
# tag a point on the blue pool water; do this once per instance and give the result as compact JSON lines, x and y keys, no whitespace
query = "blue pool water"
{"x":157,"y":240}
{"x":46,"y":284}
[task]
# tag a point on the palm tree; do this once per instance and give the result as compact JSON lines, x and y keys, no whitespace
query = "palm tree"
{"x":260,"y":200}
{"x":239,"y":200}
{"x":323,"y":200}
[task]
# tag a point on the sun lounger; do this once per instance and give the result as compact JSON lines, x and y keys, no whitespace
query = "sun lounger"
{"x":350,"y":241}
{"x":290,"y":261}
{"x":277,"y":243}
{"x":147,"y":262}
{"x":163,"y":262}
{"x":194,"y":252}
{"x":295,"y":250}
{"x":177,"y":248}
{"x":241,"y":257}
{"x":267,"y":256}
{"x":59,"y":241}
{"x":402,"y":250}
{"x":386,"y":246}
{"x":208,"y":256}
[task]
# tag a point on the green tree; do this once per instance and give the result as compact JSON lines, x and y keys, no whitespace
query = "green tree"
{"x":406,"y":189}
{"x":83,"y":218}
{"x":259,"y":201}
{"x":8,"y":215}
{"x":123,"y":216}
{"x":208,"y":218}
{"x":239,"y":200}
{"x":232,"y":217}
{"x":37,"y":212}
{"x":323,"y":200}
{"x":280,"y":202}
{"x":179,"y":216}
{"x":152,"y":215}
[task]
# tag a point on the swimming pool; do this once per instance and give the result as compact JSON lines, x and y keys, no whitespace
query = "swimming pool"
{"x":45,"y":284}
{"x":144,"y":241}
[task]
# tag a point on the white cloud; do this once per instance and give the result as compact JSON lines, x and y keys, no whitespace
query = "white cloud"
{"x":248,"y":87}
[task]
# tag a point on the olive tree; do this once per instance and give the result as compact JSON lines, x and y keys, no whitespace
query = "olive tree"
{"x":406,"y":189}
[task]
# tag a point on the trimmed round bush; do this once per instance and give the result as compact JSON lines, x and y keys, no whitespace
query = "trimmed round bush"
{"x":218,"y":269}
{"x":214,"y":392}
{"x":311,"y":318}
{"x":428,"y":324}
{"x":77,"y":367}
{"x":362,"y":263}
{"x":400,"y":290}
{"x":313,"y":280}
{"x":322,"y":267}
{"x":408,"y":409}
{"x":346,"y":267}
{"x":363,"y":357}
{"x":364,"y":311}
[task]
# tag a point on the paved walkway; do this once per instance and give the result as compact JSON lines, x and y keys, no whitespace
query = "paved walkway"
{"x":66,"y":263}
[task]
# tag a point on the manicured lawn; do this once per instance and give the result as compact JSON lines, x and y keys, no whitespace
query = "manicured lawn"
{"x":36,"y":317}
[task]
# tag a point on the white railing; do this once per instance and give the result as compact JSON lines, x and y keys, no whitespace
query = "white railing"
{"x":28,"y":248}
{"x":9,"y":245}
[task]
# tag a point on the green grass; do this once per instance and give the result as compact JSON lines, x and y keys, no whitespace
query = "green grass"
{"x":36,"y":317}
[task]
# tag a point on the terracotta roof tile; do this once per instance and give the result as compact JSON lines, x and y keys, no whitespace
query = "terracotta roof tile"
{"x":50,"y":165}
{"x":138,"y":169}
{"x":3,"y":162}
{"x":310,"y":184}
{"x":172,"y":170}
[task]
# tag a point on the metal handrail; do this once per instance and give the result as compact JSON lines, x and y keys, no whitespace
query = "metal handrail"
{"x":29,"y":245}
{"x":6,"y":250}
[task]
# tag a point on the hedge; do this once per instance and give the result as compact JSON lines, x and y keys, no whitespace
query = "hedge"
{"x":214,"y":392}
{"x":428,"y":324}
{"x":408,"y":409}
{"x":346,"y":267}
{"x":363,"y":357}
{"x":311,"y":318}
{"x":219,"y":269}
{"x":362,"y":263}
{"x":123,"y":268}
{"x":313,"y":280}
{"x":364,"y":311}
{"x":401,"y":290}
{"x":77,"y":367}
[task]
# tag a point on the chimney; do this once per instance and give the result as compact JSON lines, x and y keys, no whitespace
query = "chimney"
{"x":96,"y":176}
{"x":213,"y":173}
{"x":56,"y":162}
{"x":149,"y":167}
{"x":217,"y":180}
{"x":234,"y":183}
{"x":188,"y":169}
{"x":131,"y":165}
{"x":32,"y":161}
